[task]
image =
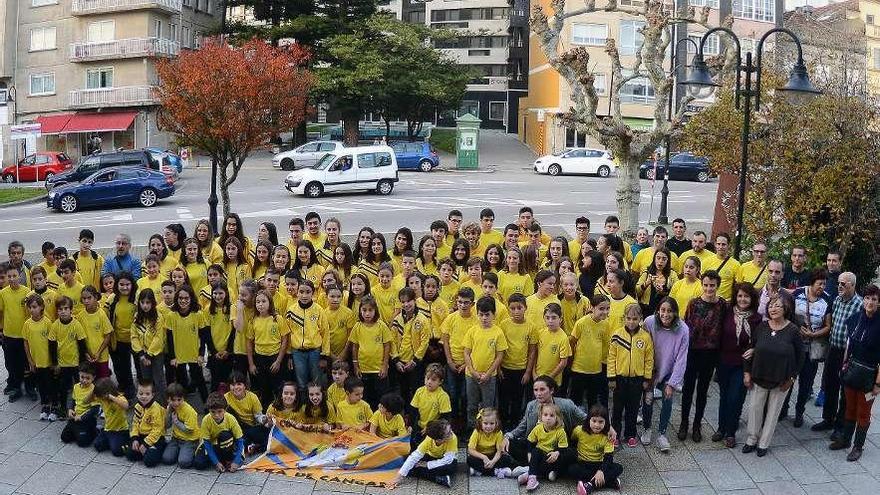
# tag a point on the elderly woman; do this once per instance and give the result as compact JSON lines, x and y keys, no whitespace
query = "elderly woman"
{"x":861,"y":367}
{"x":769,"y":370}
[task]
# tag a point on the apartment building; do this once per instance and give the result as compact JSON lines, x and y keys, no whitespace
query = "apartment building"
{"x":494,"y":45}
{"x":86,"y":67}
{"x":549,"y":94}
{"x":870,"y":14}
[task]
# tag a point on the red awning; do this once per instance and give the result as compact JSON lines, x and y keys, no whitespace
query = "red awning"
{"x":54,"y":124}
{"x":98,"y":122}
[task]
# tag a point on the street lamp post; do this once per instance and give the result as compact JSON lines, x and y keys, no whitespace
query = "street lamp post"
{"x":663,"y":217}
{"x":745,"y":93}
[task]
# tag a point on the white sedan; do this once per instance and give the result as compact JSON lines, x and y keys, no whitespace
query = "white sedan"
{"x":576,"y":161}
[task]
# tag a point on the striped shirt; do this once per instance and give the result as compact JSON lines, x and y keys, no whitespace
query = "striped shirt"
{"x":841,"y":311}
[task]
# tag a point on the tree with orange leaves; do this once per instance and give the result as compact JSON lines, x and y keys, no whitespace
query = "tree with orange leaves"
{"x":226,"y":101}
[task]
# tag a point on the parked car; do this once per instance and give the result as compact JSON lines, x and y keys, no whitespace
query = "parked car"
{"x":37,"y":167}
{"x":365,"y":168}
{"x":305,"y":156}
{"x":173,"y":158}
{"x":98,"y":161}
{"x":110,"y":187}
{"x":416,"y":156}
{"x":684,"y":166}
{"x":576,"y":161}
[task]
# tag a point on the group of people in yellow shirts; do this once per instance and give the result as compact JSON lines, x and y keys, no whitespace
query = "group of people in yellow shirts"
{"x":411,"y":336}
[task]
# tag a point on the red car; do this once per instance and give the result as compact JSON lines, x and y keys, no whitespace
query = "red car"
{"x":37,"y":167}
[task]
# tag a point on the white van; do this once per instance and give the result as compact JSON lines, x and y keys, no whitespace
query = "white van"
{"x":361,"y":168}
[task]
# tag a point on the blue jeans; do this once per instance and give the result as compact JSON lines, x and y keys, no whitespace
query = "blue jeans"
{"x":305,"y":366}
{"x":665,"y":411}
{"x":115,"y":441}
{"x":732,"y":396}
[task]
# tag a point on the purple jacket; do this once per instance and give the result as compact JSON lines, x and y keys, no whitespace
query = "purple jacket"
{"x":670,"y":351}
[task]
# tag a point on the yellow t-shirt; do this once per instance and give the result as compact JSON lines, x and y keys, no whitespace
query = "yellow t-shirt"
{"x":14,"y":311}
{"x":591,"y":447}
{"x":356,"y":414}
{"x":238,"y":344}
{"x":457,"y":327}
{"x":198,"y":274}
{"x":510,"y":283}
{"x":519,"y":337}
{"x":548,"y":441}
{"x":387,"y":300}
{"x":485,"y":443}
{"x":535,"y":306}
{"x":211,"y":429}
{"x":267,"y":333}
{"x":246,"y":408}
{"x":115,"y":418}
{"x":149,"y":338}
{"x":123,"y":318}
{"x":707,"y":260}
{"x":96,"y":326}
{"x":752,"y":273}
{"x":371,"y":340}
{"x":728,"y":274}
{"x":155,"y":284}
{"x":683,"y":291}
{"x":388,"y":428}
{"x":591,"y":350}
{"x":185,"y":335}
{"x":36,"y":334}
{"x":284,"y":414}
{"x":79,"y":395}
{"x":187,"y":415}
{"x":430,"y":404}
{"x":437,"y":311}
{"x":89,"y":267}
{"x":617,"y":312}
{"x":335,"y":394}
{"x":74,"y":293}
{"x":431,"y":449}
{"x":67,"y":336}
{"x":572,"y":311}
{"x":414,"y":336}
{"x":221,"y":328}
{"x":484,"y":344}
{"x":337,"y":325}
{"x":449,"y":293}
{"x":552,"y":348}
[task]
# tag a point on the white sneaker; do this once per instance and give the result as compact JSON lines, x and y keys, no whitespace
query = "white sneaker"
{"x":646,"y":437}
{"x":474,"y":472}
{"x":663,"y":443}
{"x":519,"y":471}
{"x":551,"y":476}
{"x":502,"y":473}
{"x":44,"y":416}
{"x":53,"y":417}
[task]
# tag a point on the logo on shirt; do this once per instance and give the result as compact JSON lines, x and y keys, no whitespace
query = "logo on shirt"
{"x":377,"y":339}
{"x":640,"y":344}
{"x":313,"y":318}
{"x":554,"y":348}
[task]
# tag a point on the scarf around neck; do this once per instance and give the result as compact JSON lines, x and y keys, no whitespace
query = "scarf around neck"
{"x":741,"y":321}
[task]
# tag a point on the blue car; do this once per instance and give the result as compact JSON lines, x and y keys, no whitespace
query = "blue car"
{"x":173,"y":159}
{"x":110,"y":187}
{"x":419,"y":155}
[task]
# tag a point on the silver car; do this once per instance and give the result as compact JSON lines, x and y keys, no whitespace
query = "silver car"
{"x":304,"y":156}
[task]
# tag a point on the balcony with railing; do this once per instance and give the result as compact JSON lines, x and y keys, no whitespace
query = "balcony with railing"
{"x":124,"y":48}
{"x":88,"y":7}
{"x":122,"y":96}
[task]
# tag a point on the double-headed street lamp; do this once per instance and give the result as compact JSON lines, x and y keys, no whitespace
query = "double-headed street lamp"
{"x":798,"y":83}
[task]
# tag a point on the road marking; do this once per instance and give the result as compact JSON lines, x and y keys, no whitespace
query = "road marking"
{"x":124,"y":217}
{"x":184,"y":214}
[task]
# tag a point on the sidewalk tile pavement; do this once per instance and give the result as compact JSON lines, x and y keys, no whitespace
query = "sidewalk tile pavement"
{"x":33,"y":461}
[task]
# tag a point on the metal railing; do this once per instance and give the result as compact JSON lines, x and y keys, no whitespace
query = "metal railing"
{"x":124,"y":48}
{"x":110,"y":97}
{"x":94,"y":6}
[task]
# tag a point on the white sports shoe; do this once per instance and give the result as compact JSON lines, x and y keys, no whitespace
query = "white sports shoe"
{"x":646,"y":437}
{"x":663,"y":443}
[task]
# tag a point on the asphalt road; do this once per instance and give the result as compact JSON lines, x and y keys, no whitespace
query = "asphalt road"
{"x":419,"y":198}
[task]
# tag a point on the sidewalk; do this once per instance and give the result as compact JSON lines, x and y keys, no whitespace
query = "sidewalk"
{"x":498,"y":151}
{"x":34,"y":461}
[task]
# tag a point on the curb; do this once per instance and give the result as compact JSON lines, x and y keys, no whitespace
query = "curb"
{"x":36,"y":199}
{"x":467,"y":171}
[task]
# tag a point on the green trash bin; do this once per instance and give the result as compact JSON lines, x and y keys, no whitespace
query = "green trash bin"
{"x":467,"y":144}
